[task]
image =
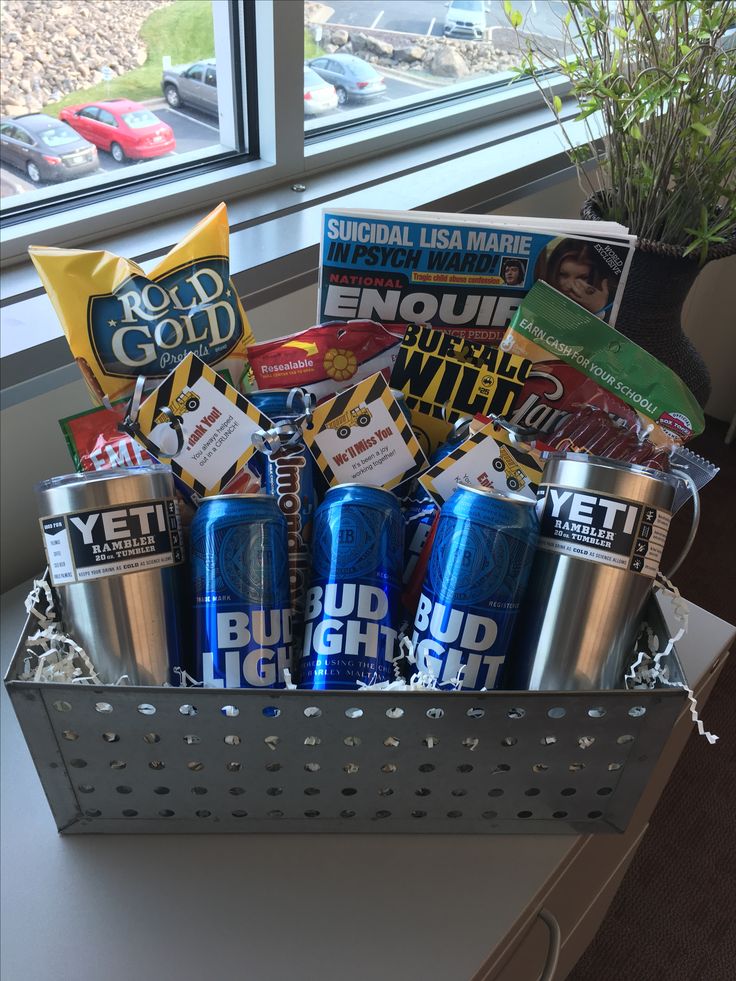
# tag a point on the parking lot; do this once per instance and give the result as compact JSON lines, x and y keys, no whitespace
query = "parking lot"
{"x":193,"y":130}
{"x":428,"y":17}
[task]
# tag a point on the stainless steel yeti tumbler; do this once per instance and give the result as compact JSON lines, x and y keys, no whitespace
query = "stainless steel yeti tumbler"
{"x":603,"y":526}
{"x":113,"y":544}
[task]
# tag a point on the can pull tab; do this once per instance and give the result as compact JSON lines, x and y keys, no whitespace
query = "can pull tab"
{"x":693,"y":488}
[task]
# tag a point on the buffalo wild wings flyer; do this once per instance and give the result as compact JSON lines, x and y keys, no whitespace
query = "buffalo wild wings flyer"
{"x":444,"y":377}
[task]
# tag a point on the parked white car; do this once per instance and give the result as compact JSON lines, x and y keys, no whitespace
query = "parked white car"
{"x":466,"y":19}
{"x":319,"y":95}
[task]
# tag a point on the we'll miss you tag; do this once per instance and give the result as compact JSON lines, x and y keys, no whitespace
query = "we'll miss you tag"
{"x":362,"y":436}
{"x":200,"y":425}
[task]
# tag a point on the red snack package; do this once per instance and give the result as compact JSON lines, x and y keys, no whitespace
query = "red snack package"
{"x":579,"y":361}
{"x":96,"y":442}
{"x":592,"y":430}
{"x":327,"y":358}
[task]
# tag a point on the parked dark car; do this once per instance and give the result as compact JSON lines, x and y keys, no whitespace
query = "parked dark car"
{"x":45,"y":148}
{"x":191,"y":85}
{"x":354,"y":79}
{"x":126,"y":129}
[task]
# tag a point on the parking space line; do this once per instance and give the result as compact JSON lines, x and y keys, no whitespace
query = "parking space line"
{"x":378,"y":17}
{"x":193,"y":119}
{"x":431,"y":26}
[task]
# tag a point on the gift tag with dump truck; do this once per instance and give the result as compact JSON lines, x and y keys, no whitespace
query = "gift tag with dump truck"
{"x":489,"y":458}
{"x":200,"y":425}
{"x":362,"y":436}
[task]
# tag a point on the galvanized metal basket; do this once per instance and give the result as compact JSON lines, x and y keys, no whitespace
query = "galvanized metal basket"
{"x":193,"y":760}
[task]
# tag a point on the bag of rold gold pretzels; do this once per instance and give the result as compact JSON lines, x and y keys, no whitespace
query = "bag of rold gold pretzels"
{"x":121,"y":322}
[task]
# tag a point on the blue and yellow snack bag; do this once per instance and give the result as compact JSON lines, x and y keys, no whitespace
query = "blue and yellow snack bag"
{"x":121,"y":322}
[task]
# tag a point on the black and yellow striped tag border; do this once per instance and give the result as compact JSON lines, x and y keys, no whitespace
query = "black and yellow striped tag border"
{"x":345,"y":410}
{"x":515,"y":468}
{"x":174,"y":393}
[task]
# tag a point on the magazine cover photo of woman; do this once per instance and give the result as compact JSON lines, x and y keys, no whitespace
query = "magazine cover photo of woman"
{"x":513,"y":272}
{"x":576,"y":270}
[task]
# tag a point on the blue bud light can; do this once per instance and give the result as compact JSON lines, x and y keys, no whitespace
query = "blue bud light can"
{"x":287,"y":474}
{"x":241,"y":592}
{"x":353,"y":609}
{"x":477,"y":573}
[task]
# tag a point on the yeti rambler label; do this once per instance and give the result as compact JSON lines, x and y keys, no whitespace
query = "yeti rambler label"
{"x":111,"y":541}
{"x":601,"y":528}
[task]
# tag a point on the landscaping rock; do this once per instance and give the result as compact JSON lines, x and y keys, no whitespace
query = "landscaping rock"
{"x":379,"y":47}
{"x":413,"y":54}
{"x":449,"y":63}
{"x":339,"y":38}
{"x":49,"y":50}
{"x":444,"y":58}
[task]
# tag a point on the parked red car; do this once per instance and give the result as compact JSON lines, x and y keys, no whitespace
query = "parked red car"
{"x":125,"y":129}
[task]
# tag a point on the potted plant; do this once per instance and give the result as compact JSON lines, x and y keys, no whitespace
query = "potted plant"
{"x":655,"y":83}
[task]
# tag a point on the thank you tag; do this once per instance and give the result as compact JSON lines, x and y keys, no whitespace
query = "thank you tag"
{"x":488,"y":459}
{"x":362,"y":436}
{"x":200,"y":424}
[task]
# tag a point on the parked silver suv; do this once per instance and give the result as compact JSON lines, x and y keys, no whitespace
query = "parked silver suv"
{"x":467,"y":19}
{"x":191,"y":85}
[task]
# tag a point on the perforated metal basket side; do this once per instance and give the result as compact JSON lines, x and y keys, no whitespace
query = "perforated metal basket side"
{"x":124,"y":759}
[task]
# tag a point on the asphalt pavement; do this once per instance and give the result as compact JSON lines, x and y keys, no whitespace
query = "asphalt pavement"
{"x":193,"y":131}
{"x":428,"y":17}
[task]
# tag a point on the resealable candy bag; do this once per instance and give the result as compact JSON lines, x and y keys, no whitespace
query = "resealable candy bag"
{"x":591,"y":388}
{"x":328,"y":357}
{"x":121,"y":322}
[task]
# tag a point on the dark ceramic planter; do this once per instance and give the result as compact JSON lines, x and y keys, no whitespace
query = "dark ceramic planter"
{"x":659,"y":279}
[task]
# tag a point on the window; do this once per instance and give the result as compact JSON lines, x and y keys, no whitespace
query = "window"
{"x":140,"y":119}
{"x":142,"y":71}
{"x":240,"y":129}
{"x":398,"y":56}
{"x":107,"y":118}
{"x":56,"y":136}
{"x":195,"y":73}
